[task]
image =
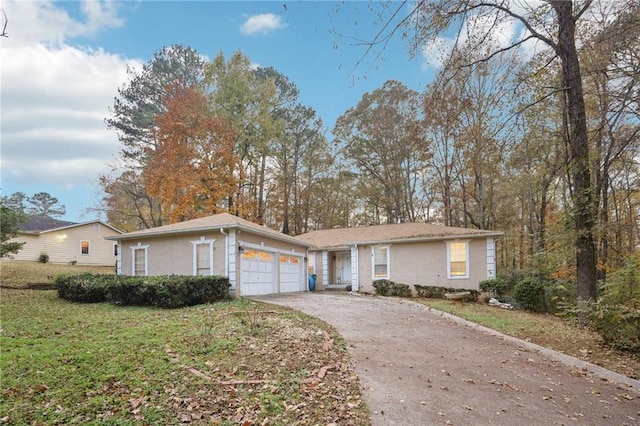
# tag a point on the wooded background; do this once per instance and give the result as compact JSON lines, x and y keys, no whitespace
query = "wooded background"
{"x":494,"y":142}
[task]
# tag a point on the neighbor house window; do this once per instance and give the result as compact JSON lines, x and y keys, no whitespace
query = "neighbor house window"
{"x":203,"y":256}
{"x":380,"y":262}
{"x":458,"y":259}
{"x":139,"y":260}
{"x":84,"y":247}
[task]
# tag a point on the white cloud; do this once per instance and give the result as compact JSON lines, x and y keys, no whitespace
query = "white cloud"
{"x":484,"y":34}
{"x":436,"y":52}
{"x":42,"y":21}
{"x":55,"y":96}
{"x":262,"y":23}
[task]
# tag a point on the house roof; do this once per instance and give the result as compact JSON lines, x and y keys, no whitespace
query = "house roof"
{"x":381,"y":234}
{"x":210,"y":223}
{"x":38,"y":223}
{"x":42,"y":224}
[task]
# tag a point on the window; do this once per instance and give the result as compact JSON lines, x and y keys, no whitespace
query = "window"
{"x":380,"y":262}
{"x":458,"y":259}
{"x":203,"y":256}
{"x":84,"y":247}
{"x":115,"y":249}
{"x":203,"y":265}
{"x":139,"y":260}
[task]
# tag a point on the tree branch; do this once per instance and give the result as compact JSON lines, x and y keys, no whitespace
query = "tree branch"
{"x":522,"y":20}
{"x":4,"y":27}
{"x":583,"y":10}
{"x":497,"y":52}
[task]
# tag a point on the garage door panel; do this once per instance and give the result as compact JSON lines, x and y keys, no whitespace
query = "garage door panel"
{"x":291,"y":274}
{"x":257,"y":273}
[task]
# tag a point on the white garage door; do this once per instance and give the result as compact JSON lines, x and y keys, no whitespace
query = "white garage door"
{"x":291,"y":274}
{"x":257,"y":273}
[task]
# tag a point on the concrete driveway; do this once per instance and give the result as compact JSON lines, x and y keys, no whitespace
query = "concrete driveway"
{"x":423,"y":367}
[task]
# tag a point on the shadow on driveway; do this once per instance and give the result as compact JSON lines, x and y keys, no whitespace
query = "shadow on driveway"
{"x":419,"y":366}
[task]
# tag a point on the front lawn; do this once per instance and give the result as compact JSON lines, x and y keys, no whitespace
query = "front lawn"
{"x":236,"y":362}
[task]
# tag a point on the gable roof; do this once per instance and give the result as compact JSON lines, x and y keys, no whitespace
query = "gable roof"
{"x":210,"y":223}
{"x":38,"y":223}
{"x":42,"y":224}
{"x":381,"y":234}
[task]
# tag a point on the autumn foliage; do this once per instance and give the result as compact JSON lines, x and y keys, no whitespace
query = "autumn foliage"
{"x":191,"y":171}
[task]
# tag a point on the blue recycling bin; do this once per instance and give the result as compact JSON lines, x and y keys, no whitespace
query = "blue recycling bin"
{"x":312,"y":282}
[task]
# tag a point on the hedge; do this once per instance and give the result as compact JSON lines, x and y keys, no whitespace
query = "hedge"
{"x":171,"y":291}
{"x":435,"y":292}
{"x":390,"y":288}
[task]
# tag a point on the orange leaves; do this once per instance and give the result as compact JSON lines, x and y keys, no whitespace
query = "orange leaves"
{"x":191,"y":172}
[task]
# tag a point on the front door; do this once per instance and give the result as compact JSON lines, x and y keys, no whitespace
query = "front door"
{"x":343,"y":268}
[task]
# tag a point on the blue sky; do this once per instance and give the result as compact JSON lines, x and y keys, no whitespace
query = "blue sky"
{"x":64,"y":61}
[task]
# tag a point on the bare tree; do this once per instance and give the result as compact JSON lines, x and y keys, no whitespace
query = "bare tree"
{"x":552,"y":24}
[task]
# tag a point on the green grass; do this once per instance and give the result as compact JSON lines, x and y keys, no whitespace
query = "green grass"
{"x":511,"y":322}
{"x":68,"y":363}
{"x":546,"y":330}
{"x":23,"y":274}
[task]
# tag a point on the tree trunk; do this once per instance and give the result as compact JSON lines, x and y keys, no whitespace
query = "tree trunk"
{"x":579,"y":150}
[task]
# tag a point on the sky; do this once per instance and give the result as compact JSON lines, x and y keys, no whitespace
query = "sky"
{"x":63,"y":62}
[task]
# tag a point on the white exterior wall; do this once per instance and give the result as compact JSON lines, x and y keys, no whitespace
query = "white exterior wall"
{"x":64,"y":245}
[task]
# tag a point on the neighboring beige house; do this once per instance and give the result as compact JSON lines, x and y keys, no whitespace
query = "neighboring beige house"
{"x":67,"y":242}
{"x":407,"y":253}
{"x":256,"y":259}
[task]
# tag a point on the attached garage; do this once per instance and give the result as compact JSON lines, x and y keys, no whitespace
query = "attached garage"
{"x":258,"y":273}
{"x":256,"y":259}
{"x":292,"y":277}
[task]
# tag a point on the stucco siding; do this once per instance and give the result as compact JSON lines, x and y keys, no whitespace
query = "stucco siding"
{"x":259,"y":240}
{"x":173,"y":255}
{"x":424,"y":263}
{"x":64,"y":245}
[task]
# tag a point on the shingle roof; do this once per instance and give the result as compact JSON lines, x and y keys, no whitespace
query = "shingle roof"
{"x":208,"y":223}
{"x":36,"y":223}
{"x":329,"y":238}
{"x":43,"y":224}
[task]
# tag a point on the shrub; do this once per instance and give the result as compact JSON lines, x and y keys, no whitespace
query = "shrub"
{"x":529,"y":293}
{"x":616,"y":314}
{"x":560,"y":296}
{"x":390,"y":288}
{"x":435,"y":292}
{"x":44,"y":258}
{"x":87,"y":288}
{"x":494,"y":286}
{"x":164,"y":291}
{"x":401,"y":290}
{"x":382,"y":287}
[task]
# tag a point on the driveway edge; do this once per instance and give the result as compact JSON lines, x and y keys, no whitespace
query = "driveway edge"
{"x":583,"y":366}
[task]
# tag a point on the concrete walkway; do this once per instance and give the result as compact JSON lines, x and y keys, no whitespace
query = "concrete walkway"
{"x":419,"y":366}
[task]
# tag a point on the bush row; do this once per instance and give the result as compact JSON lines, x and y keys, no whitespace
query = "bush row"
{"x":616,"y":313}
{"x":390,"y":288}
{"x":173,"y":291}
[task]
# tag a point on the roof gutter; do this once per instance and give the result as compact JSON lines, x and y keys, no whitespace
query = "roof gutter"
{"x":238,"y":226}
{"x":411,"y":240}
